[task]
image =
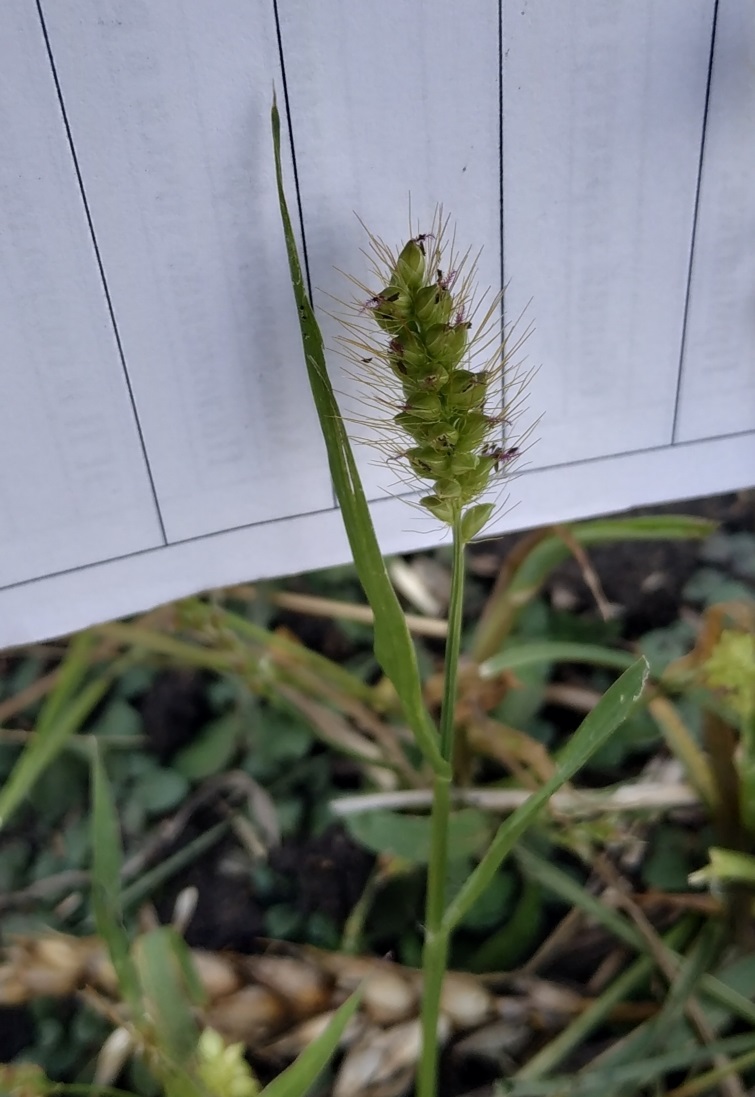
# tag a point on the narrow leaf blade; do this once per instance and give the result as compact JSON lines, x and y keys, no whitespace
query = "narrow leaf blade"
{"x":106,"y":882}
{"x":394,"y":649}
{"x":298,"y":1079}
{"x":61,"y":716}
{"x":167,"y":993}
{"x":612,"y":709}
{"x":554,"y":651}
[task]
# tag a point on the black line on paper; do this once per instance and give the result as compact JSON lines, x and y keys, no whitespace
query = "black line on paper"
{"x":693,"y":238}
{"x":297,"y":186}
{"x":334,"y":510}
{"x":292,"y":143}
{"x":500,"y":195}
{"x":101,"y":268}
{"x":170,"y":545}
{"x":500,"y":142}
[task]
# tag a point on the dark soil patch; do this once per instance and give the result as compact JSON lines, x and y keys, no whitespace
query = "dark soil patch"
{"x":16,"y":1032}
{"x":174,"y":709}
{"x":644,"y":578}
{"x":326,"y":874}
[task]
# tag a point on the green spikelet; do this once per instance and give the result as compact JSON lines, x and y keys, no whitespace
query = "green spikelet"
{"x":420,"y":334}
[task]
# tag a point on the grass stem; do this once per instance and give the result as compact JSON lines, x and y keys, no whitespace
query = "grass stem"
{"x":435,"y":951}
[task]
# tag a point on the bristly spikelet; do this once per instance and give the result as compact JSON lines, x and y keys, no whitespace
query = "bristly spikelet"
{"x":437,"y":370}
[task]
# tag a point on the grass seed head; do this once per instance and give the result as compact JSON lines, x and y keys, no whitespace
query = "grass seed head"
{"x":222,"y":1067}
{"x":439,"y":367}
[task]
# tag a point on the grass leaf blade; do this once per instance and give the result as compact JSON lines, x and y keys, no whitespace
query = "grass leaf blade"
{"x":106,"y":882}
{"x":297,"y":1079}
{"x":555,"y":651}
{"x":67,"y":706}
{"x":394,"y":649}
{"x":612,"y":709}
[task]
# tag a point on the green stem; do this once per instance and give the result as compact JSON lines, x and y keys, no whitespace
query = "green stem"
{"x":453,"y":646}
{"x":435,"y":950}
{"x":437,"y":938}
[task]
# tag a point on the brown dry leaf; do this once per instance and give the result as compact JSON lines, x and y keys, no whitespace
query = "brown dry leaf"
{"x":476,"y":695}
{"x":278,"y":1001}
{"x":522,"y":755}
{"x":589,"y":573}
{"x":293,"y":1042}
{"x":251,"y":1015}
{"x":22,"y":1080}
{"x":382,"y":1063}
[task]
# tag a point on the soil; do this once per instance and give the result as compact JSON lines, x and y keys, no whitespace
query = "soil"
{"x":328,"y":873}
{"x":644,"y":578}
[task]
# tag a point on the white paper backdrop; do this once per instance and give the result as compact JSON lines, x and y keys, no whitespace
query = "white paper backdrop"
{"x":156,"y":431}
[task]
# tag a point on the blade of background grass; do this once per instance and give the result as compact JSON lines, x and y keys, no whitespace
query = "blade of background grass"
{"x":297,"y":1080}
{"x":643,"y":1073}
{"x":681,"y":742}
{"x":394,"y":649}
{"x":297,"y":654}
{"x":705,"y":1082}
{"x":106,"y":883}
{"x":719,"y":988}
{"x":700,"y":957}
{"x":62,"y":714}
{"x":571,"y":892}
{"x":612,"y":709}
{"x":554,"y":651}
{"x":681,"y":1021}
{"x":156,"y":982}
{"x":167,"y":992}
{"x":140,"y":889}
{"x":597,"y":1014}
